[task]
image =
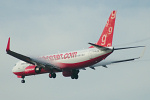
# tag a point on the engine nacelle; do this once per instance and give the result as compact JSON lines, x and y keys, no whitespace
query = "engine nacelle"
{"x":67,"y":73}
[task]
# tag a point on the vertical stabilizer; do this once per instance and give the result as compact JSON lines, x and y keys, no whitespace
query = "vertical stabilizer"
{"x":106,"y":37}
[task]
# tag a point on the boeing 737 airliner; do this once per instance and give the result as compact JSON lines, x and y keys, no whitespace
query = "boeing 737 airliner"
{"x":69,"y":63}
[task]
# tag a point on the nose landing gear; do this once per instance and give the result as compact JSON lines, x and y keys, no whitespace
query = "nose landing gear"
{"x":23,"y":81}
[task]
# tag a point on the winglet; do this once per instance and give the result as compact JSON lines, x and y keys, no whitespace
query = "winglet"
{"x":8,"y":45}
{"x":142,"y":54}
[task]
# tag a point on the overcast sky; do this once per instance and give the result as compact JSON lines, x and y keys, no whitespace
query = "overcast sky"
{"x":41,"y":27}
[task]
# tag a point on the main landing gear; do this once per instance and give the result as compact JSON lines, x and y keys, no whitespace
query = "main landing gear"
{"x":52,"y":75}
{"x":75,"y":74}
{"x":23,"y":81}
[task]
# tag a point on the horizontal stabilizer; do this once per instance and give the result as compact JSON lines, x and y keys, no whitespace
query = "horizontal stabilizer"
{"x":100,"y":47}
{"x":128,"y":47}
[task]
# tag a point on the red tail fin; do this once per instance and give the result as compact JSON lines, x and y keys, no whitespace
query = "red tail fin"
{"x":106,"y":37}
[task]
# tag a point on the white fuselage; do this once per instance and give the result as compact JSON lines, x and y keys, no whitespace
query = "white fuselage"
{"x":78,"y":59}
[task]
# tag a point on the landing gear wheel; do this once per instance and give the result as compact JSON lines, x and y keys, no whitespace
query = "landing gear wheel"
{"x":22,"y":81}
{"x":72,"y":76}
{"x":76,"y":76}
{"x":52,"y":75}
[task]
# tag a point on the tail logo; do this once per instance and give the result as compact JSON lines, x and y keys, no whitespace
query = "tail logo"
{"x":113,"y":15}
{"x":107,"y":35}
{"x":104,"y":39}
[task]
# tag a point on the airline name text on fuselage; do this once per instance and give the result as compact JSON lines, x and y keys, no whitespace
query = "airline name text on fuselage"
{"x":60,"y":56}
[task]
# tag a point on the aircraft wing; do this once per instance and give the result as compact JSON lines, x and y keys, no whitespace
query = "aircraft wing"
{"x":35,"y":61}
{"x":105,"y":63}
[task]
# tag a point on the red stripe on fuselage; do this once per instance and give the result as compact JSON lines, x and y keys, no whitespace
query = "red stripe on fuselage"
{"x":84,"y":63}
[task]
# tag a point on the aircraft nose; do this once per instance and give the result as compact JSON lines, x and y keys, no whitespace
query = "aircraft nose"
{"x":14,"y":70}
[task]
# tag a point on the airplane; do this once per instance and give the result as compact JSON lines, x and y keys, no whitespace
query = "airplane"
{"x":70,"y":63}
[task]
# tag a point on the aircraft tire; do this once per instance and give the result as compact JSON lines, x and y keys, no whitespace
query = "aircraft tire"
{"x":72,"y":76}
{"x":22,"y":81}
{"x":50,"y":75}
{"x":76,"y":76}
{"x":54,"y":75}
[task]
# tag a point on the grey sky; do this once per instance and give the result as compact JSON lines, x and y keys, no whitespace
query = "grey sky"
{"x":44,"y":27}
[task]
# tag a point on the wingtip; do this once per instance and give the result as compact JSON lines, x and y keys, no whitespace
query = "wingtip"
{"x":142,"y":54}
{"x":114,"y":11}
{"x":8,"y":45}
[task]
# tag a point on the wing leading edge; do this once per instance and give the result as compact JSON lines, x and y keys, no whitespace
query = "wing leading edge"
{"x":36,"y":62}
{"x":105,"y":63}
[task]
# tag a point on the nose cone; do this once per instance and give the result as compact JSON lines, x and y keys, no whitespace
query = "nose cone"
{"x":18,"y":70}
